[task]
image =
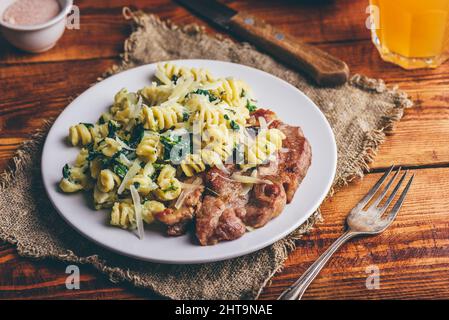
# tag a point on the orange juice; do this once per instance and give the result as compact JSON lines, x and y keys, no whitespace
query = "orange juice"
{"x":411,"y":33}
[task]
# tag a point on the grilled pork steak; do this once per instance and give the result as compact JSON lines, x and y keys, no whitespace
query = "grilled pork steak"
{"x":222,"y":213}
{"x":225,"y":211}
{"x":266,"y":202}
{"x":225,"y":215}
{"x":295,"y":160}
{"x":219,"y":221}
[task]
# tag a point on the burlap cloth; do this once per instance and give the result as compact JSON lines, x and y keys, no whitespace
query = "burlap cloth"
{"x":360,"y":113}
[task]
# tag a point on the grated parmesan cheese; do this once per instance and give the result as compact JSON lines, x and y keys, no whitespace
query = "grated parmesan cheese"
{"x":123,"y":145}
{"x":137,"y":211}
{"x":135,"y":168}
{"x":249,"y":179}
{"x":123,"y":159}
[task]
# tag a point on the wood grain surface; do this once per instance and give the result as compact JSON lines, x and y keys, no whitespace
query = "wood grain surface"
{"x":412,"y":255}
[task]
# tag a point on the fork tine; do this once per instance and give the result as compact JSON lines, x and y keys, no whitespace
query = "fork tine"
{"x":385,"y":190}
{"x":374,"y":189}
{"x":394,"y":212}
{"x":384,"y":207}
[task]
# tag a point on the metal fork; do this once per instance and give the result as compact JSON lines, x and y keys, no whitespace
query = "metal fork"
{"x":359,"y":223}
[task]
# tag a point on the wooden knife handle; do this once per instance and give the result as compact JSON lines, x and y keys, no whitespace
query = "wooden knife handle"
{"x":325,"y":69}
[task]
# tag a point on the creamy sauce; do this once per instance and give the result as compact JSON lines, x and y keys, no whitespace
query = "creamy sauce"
{"x":31,"y":12}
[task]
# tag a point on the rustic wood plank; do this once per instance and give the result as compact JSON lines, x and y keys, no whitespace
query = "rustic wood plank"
{"x":28,"y":279}
{"x":44,"y":88}
{"x":412,"y":255}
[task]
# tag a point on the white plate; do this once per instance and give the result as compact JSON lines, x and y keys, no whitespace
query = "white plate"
{"x":292,"y":106}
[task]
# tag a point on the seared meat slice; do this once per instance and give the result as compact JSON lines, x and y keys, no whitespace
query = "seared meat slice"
{"x":266,"y":202}
{"x":191,"y":205}
{"x":218,"y":222}
{"x":220,"y":217}
{"x":225,"y":216}
{"x":177,"y":220}
{"x":178,"y":229}
{"x":294,"y":161}
{"x":269,"y":169}
{"x":221,"y":184}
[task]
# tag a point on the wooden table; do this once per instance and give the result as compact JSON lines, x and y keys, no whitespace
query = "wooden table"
{"x":412,"y":255}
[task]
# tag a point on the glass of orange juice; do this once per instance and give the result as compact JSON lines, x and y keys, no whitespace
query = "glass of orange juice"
{"x":411,"y":33}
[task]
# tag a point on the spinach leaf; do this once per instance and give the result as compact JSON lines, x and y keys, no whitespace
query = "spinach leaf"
{"x":112,"y":128}
{"x":250,"y":106}
{"x":105,"y":162}
{"x":87,"y":125}
{"x":66,"y":171}
{"x":175,"y":147}
{"x":234,"y":125}
{"x":119,"y":169}
{"x":157,"y":169}
{"x":171,"y":187}
{"x":169,"y":142}
{"x":136,"y":136}
{"x":206,"y":93}
{"x":92,"y":154}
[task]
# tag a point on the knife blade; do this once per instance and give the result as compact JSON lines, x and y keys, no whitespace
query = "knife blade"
{"x":323,"y":68}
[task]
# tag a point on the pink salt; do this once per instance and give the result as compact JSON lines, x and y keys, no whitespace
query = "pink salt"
{"x":31,"y":12}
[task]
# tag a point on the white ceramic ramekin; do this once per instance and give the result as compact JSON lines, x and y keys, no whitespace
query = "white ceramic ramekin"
{"x":35,"y":38}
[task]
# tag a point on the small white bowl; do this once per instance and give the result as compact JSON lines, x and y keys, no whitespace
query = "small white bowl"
{"x":35,"y":38}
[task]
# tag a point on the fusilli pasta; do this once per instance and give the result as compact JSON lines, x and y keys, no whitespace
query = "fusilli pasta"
{"x":149,"y":147}
{"x":170,"y":72}
{"x":162,"y":118}
{"x":169,"y":186}
{"x":266,"y":143}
